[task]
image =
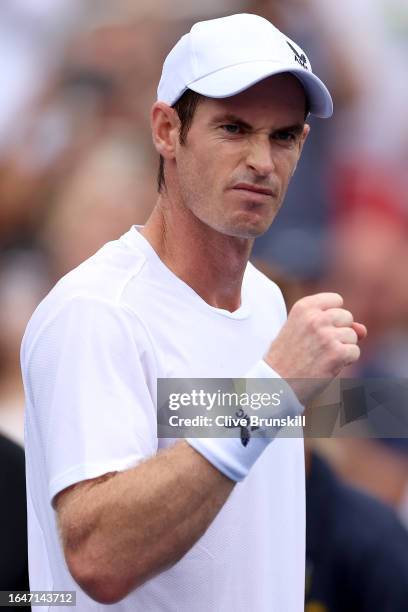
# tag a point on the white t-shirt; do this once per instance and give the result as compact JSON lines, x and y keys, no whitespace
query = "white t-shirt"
{"x":91,"y":356}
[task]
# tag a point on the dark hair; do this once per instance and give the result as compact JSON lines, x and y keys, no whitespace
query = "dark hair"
{"x":185,"y":108}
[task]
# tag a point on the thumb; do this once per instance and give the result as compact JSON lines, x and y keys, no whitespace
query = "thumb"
{"x":360,"y":330}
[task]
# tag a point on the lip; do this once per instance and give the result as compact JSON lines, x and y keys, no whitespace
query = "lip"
{"x":253,"y":189}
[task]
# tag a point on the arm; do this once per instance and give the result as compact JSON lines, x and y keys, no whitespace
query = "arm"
{"x":121,"y":529}
{"x":95,"y":414}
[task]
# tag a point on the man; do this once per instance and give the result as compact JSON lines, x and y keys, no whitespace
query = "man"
{"x":356,"y":548}
{"x":13,"y":519}
{"x":172,"y":530}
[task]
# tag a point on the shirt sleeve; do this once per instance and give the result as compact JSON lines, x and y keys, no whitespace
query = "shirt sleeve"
{"x":91,"y":386}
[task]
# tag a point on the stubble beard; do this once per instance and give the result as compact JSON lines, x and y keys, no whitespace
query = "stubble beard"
{"x":220,"y":219}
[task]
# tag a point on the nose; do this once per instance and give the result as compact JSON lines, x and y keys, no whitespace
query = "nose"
{"x":259,"y":157}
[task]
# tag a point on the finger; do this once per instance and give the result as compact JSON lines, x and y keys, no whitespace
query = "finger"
{"x":339,"y":317}
{"x":360,"y":330}
{"x":322,"y":301}
{"x":352,"y":354}
{"x":347,"y":335}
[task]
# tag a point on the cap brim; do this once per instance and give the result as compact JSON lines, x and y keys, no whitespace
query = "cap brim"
{"x":235,"y":79}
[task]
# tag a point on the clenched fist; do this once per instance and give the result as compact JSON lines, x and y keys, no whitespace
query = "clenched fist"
{"x":317,"y":341}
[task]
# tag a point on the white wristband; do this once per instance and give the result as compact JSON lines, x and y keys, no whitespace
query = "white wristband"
{"x":232,"y":456}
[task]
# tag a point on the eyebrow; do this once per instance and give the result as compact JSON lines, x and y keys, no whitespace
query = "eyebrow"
{"x":296,"y":128}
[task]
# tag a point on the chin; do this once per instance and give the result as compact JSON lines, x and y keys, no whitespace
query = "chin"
{"x":246,"y":231}
{"x":251,"y":227}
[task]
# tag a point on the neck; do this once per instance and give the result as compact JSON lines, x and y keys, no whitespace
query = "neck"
{"x":211,"y":263}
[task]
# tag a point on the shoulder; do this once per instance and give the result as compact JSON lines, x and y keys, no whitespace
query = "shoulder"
{"x":105,"y":275}
{"x":91,"y":294}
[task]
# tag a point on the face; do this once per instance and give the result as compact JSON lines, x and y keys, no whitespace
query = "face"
{"x":233,"y":170}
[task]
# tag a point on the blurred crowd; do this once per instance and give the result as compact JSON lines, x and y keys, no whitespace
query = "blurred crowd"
{"x":77,"y":168}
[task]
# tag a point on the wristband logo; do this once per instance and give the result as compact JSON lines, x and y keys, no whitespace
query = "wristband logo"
{"x":245,"y":430}
{"x":245,"y":433}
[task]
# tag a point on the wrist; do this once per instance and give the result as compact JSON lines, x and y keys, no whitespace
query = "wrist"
{"x":235,"y":456}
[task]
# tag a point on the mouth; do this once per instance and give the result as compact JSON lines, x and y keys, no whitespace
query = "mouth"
{"x":254,"y":190}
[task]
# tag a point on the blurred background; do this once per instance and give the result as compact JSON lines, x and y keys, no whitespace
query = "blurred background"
{"x":77,"y":168}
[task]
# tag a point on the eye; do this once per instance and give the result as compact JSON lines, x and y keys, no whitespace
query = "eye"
{"x":231,"y":128}
{"x":286,"y":136}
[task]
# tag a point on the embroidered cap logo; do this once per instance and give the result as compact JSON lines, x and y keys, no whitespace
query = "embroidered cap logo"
{"x":300,"y":59}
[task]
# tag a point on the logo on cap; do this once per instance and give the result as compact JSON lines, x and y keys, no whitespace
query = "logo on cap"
{"x":300,"y":59}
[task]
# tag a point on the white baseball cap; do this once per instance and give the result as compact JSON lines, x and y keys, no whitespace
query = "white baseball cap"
{"x":222,"y":57}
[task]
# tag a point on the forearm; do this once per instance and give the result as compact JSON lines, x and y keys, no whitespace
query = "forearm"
{"x":135,"y":524}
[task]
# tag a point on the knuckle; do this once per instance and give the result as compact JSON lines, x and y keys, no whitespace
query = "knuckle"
{"x":337,"y":348}
{"x":357,"y":351}
{"x":338,"y":355}
{"x":339,"y":298}
{"x":335,"y":299}
{"x":348,"y":315}
{"x":333,"y":361}
{"x":299,"y":306}
{"x":314,"y":319}
{"x":347,"y":336}
{"x":326,"y":336}
{"x":353,"y":354}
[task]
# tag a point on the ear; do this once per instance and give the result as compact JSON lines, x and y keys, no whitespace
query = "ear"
{"x":165,"y":126}
{"x":305,"y":134}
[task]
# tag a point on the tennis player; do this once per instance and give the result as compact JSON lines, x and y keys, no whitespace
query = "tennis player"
{"x":202,"y":524}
